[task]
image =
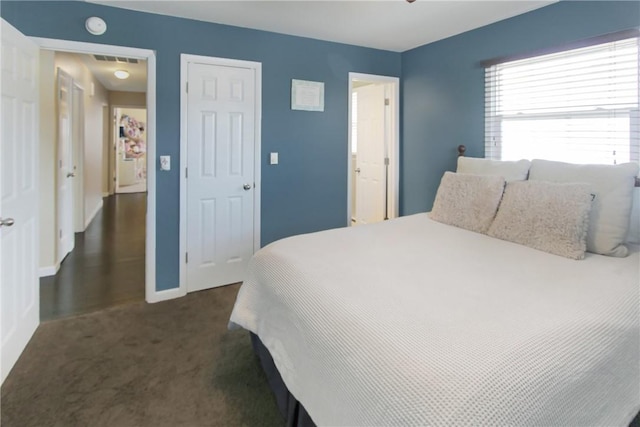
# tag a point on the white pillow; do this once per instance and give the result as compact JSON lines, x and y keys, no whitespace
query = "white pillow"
{"x":510,"y":170}
{"x":546,"y":216}
{"x":611,"y":208}
{"x":467,"y":201}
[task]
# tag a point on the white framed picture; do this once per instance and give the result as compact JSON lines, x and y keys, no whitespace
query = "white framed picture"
{"x":307,"y":95}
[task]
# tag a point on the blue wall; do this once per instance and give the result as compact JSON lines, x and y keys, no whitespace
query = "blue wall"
{"x":443,"y":85}
{"x":442,"y":102}
{"x":307,"y":191}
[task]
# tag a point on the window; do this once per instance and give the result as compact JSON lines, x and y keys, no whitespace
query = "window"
{"x":578,"y":106}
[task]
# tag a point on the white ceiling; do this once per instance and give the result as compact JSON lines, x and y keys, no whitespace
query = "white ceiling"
{"x":394,"y":25}
{"x":103,"y":71}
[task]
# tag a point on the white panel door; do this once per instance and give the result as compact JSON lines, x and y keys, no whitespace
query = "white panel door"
{"x":19,"y":296}
{"x":370,"y":168}
{"x":220,"y":183}
{"x":66,"y":171}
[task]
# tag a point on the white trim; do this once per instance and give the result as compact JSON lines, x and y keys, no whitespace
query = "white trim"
{"x":115,"y":147}
{"x":60,"y":205}
{"x":151,"y":294}
{"x":165,"y":295}
{"x":49,"y":270}
{"x":93,"y":214}
{"x":92,"y":48}
{"x":394,"y":151}
{"x":185,"y":59}
{"x":105,"y":194}
{"x":150,"y":249}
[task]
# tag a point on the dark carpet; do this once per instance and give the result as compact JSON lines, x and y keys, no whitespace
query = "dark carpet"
{"x":172,"y":363}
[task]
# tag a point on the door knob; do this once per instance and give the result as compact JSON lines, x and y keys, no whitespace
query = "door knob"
{"x":357,"y":170}
{"x":8,"y":222}
{"x":70,"y":175}
{"x":247,"y":187}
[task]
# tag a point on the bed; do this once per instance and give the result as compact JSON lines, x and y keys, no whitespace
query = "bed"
{"x":417,"y":322}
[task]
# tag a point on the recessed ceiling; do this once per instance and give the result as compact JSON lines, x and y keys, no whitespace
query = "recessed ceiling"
{"x":103,"y":67}
{"x":394,"y":25}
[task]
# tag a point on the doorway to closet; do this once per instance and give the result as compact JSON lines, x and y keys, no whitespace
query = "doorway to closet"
{"x":373,"y":148}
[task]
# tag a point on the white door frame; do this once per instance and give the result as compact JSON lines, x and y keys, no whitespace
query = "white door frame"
{"x":77,"y":147}
{"x":65,"y":200}
{"x":394,"y":146}
{"x":151,"y":294}
{"x":185,"y":59}
{"x":106,"y":141}
{"x":113,"y":146}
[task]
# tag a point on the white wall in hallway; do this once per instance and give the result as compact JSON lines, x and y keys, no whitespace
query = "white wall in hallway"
{"x":128,"y":99}
{"x":47,"y":162}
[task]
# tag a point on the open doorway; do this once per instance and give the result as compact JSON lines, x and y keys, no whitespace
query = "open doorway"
{"x":130,"y":150}
{"x":105,"y":263}
{"x":373,"y":148}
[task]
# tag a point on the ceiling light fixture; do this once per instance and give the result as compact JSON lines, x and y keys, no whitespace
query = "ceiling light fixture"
{"x":121,"y":74}
{"x":95,"y":26}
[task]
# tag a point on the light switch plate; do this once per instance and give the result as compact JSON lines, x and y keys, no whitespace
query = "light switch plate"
{"x":165,"y":163}
{"x":273,"y":159}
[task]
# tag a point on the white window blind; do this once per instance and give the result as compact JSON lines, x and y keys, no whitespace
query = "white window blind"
{"x":579,"y":106}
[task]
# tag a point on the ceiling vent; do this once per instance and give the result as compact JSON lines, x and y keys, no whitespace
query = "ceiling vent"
{"x":115,"y":59}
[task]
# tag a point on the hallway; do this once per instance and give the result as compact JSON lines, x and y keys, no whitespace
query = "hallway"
{"x":107,"y":266}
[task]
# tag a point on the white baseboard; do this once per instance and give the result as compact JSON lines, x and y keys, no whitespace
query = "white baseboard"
{"x":158,"y":296}
{"x":93,"y":214}
{"x":105,"y":194}
{"x":49,"y":270}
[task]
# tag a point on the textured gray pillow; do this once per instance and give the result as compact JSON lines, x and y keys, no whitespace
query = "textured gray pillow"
{"x":467,"y":201}
{"x":547,"y":216}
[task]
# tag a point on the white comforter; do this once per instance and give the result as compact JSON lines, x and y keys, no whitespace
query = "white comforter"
{"x":413,"y":322}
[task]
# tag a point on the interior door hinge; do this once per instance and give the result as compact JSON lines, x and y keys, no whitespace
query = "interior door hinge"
{"x":186,"y":257}
{"x":60,"y":233}
{"x":186,"y":89}
{"x":386,"y":101}
{"x":186,"y":172}
{"x":386,"y":161}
